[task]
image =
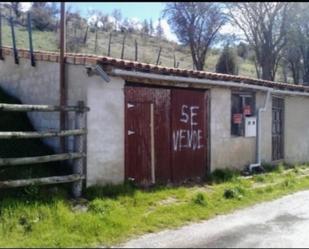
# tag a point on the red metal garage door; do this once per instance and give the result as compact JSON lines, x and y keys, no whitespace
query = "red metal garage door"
{"x":188,"y":110}
{"x":165,"y":134}
{"x":138,"y":145}
{"x":160,"y":98}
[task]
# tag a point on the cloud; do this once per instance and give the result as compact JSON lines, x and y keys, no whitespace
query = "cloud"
{"x":25,"y":6}
{"x":167,"y":30}
{"x":231,"y":29}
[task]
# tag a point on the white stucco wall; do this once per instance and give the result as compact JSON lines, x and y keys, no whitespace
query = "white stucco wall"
{"x":105,"y":121}
{"x":228,"y":151}
{"x":105,"y":147}
{"x":34,"y":85}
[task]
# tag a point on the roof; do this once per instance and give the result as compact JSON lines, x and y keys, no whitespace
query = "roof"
{"x":86,"y":59}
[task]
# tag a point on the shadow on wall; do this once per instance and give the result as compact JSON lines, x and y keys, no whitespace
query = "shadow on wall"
{"x":19,"y":121}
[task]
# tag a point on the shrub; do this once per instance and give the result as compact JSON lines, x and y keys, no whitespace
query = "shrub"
{"x":259,"y":178}
{"x":223,"y":175}
{"x":111,"y":191}
{"x":280,"y":168}
{"x":288,"y":183}
{"x":227,"y":62}
{"x":268,"y":167}
{"x":199,"y":199}
{"x":233,"y":193}
{"x":99,"y":207}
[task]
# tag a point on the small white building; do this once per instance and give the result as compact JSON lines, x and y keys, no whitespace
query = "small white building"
{"x":159,"y":124}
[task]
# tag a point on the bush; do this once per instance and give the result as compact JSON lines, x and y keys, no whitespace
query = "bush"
{"x":227,"y":62}
{"x":268,"y":167}
{"x":199,"y":199}
{"x":223,"y":175}
{"x":111,"y":191}
{"x":259,"y":178}
{"x":233,"y":193}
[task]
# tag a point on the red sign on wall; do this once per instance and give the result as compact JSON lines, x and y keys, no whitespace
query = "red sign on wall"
{"x":237,"y":118}
{"x":247,"y":110}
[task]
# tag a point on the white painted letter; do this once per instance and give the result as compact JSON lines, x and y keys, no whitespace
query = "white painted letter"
{"x":184,"y":116}
{"x":193,"y":114}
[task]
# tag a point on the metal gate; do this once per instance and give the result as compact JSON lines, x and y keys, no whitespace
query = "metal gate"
{"x":165,"y":134}
{"x":277,"y":128}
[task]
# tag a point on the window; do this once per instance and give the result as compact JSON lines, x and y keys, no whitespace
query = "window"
{"x":243,"y":105}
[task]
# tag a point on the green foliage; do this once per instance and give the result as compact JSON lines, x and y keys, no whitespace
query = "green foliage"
{"x":111,"y":191}
{"x":242,"y":50}
{"x":279,"y":168}
{"x":234,"y":193}
{"x":259,"y":178}
{"x":44,"y":16}
{"x":268,"y":167}
{"x":199,"y":199}
{"x":223,"y":175}
{"x":227,"y":62}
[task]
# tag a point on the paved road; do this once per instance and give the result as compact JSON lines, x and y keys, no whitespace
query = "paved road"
{"x":280,"y":223}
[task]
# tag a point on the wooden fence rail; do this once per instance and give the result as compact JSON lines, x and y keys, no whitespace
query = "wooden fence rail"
{"x":41,"y":181}
{"x":79,"y":132}
{"x":40,"y":159}
{"x":46,"y":134}
{"x":40,"y":108}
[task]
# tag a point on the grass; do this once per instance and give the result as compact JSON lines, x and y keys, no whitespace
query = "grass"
{"x":112,"y":214}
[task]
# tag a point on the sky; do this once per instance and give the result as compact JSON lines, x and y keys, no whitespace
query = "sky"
{"x":132,"y":10}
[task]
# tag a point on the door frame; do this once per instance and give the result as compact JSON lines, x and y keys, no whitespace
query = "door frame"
{"x":281,"y":98}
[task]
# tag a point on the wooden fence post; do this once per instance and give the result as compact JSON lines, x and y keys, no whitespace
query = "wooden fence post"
{"x":109,"y":44}
{"x":30,"y":40}
{"x":158,"y":59}
{"x":123,"y":43}
{"x":136,"y":51}
{"x":78,"y":167}
{"x":96,"y":40}
{"x":14,"y":41}
{"x":1,"y":54}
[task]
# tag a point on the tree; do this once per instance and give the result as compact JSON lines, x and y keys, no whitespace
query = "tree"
{"x":264,"y":26}
{"x":242,"y":50}
{"x":227,"y":62}
{"x":44,"y":16}
{"x":151,"y":29}
{"x":145,"y":28}
{"x":297,"y":51}
{"x":159,"y":30}
{"x":292,"y":57}
{"x":118,"y":16}
{"x":196,"y":24}
{"x":16,"y":8}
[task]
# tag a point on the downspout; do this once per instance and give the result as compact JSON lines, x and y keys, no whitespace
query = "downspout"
{"x":259,"y":127}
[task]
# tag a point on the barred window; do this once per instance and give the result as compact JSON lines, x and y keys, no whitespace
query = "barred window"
{"x":243,"y":105}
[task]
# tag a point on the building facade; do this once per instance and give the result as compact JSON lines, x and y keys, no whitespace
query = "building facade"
{"x":156,"y":124}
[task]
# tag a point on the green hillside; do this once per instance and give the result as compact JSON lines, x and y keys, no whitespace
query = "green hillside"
{"x":148,"y":48}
